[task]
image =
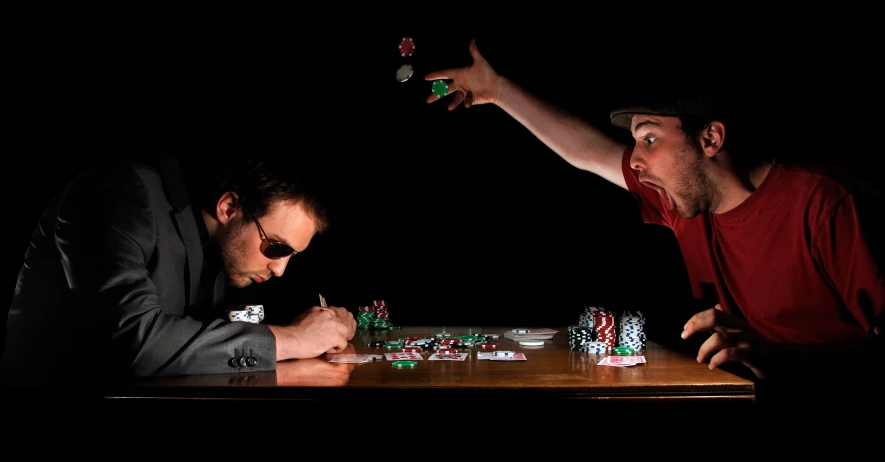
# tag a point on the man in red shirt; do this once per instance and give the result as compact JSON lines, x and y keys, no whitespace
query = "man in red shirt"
{"x":785,"y":249}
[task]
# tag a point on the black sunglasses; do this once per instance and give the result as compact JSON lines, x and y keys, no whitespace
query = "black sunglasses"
{"x":272,"y":249}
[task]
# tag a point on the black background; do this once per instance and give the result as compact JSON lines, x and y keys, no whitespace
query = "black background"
{"x":453,"y":218}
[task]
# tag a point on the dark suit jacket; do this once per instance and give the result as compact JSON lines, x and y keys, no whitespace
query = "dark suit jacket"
{"x":111,"y":282}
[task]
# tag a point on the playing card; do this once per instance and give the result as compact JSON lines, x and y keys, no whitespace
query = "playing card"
{"x":541,"y":333}
{"x":403,"y":356}
{"x":491,"y":356}
{"x":350,"y":358}
{"x":621,"y":361}
{"x":449,"y":357}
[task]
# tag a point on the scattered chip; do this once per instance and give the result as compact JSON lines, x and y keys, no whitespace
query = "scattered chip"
{"x":406,"y":47}
{"x":404,"y":364}
{"x":404,"y":72}
{"x":623,"y":351}
{"x":439,"y":88}
{"x":531,"y":342}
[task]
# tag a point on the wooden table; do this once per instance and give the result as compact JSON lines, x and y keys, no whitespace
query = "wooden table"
{"x":551,"y":376}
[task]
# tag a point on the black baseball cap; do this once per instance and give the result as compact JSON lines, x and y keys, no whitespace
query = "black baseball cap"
{"x":676,"y":97}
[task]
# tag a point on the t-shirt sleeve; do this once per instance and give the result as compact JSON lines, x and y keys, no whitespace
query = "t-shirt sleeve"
{"x":850,"y":250}
{"x":650,"y":205}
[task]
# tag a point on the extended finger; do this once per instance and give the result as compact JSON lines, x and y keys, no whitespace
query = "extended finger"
{"x":439,"y":75}
{"x":713,"y":319}
{"x":717,"y":342}
{"x":736,"y":354}
{"x":456,"y":100}
{"x":703,"y":321}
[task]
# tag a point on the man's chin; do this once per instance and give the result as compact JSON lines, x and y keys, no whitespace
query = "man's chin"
{"x":240,"y":283}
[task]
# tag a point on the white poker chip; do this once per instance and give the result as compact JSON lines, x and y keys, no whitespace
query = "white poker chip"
{"x":404,"y":72}
{"x":531,"y":342}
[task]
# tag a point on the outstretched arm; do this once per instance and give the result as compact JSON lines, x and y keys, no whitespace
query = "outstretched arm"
{"x":576,"y":141}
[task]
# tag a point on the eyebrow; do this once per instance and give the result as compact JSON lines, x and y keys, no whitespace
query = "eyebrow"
{"x":274,"y":237}
{"x":277,"y":238}
{"x":647,"y":122}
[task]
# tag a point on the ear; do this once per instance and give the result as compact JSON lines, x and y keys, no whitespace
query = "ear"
{"x":227,"y":207}
{"x":713,"y":138}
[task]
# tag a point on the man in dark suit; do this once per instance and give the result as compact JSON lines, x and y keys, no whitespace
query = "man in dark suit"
{"x":127,"y":269}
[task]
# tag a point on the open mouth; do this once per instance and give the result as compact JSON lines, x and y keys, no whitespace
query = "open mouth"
{"x":666,"y":198}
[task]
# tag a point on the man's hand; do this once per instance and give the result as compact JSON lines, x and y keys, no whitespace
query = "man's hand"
{"x":731,"y":340}
{"x":474,"y":84}
{"x":316,"y":331}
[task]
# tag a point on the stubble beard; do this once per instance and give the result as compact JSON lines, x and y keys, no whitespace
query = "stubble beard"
{"x":233,"y":251}
{"x":694,"y":186}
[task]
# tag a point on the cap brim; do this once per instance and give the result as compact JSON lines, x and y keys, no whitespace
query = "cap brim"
{"x":623,"y":117}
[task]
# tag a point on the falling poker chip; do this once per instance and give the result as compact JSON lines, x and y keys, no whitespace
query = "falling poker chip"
{"x":404,"y":72}
{"x":406,"y":47}
{"x":440,"y":88}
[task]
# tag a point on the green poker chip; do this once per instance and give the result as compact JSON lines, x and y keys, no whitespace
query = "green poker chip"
{"x":405,"y":364}
{"x":439,"y":88}
{"x":623,"y":351}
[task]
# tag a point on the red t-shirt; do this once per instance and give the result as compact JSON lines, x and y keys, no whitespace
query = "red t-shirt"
{"x":791,"y":259}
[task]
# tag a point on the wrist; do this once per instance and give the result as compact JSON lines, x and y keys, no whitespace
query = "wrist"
{"x":283,"y":345}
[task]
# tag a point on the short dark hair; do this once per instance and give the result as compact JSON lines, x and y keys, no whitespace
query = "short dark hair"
{"x":262,"y":174}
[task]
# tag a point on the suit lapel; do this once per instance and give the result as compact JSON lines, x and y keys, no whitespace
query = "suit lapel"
{"x":185,"y":219}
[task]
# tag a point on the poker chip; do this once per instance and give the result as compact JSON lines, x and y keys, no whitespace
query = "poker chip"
{"x":246,"y":313}
{"x":406,"y":47}
{"x":531,"y":342}
{"x":404,"y":72}
{"x":404,"y":364}
{"x":439,"y":88}
{"x":623,"y":351}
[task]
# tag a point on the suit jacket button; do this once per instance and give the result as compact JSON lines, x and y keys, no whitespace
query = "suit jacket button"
{"x":242,"y":362}
{"x":233,"y":362}
{"x":251,"y":361}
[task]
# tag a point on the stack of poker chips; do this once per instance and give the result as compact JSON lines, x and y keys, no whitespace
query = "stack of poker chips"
{"x":595,"y":331}
{"x":604,"y":325}
{"x":631,"y":330}
{"x":246,"y":313}
{"x":375,"y":316}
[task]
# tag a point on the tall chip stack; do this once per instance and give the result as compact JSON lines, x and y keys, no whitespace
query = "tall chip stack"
{"x":631,"y":330}
{"x":375,"y":316}
{"x":594,"y":332}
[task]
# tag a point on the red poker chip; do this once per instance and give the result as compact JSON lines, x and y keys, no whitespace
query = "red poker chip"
{"x":406,"y":47}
